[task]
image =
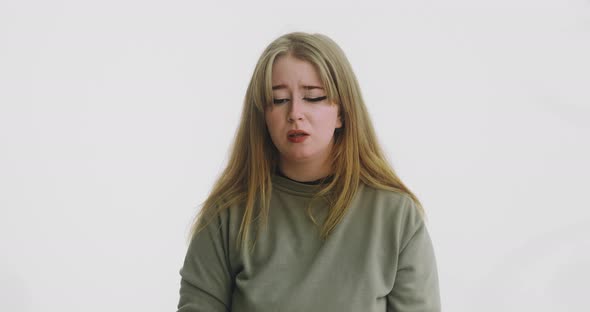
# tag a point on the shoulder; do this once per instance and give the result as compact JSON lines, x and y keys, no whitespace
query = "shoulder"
{"x":396,"y":203}
{"x":396,"y":209}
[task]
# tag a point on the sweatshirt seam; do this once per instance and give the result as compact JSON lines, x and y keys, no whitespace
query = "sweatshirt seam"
{"x":295,"y":193}
{"x":418,"y":228}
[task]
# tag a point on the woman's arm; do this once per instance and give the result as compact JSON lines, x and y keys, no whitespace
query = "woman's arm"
{"x":206,"y":284}
{"x":416,"y":285}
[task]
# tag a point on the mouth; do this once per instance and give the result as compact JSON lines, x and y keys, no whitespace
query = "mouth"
{"x":296,"y":133}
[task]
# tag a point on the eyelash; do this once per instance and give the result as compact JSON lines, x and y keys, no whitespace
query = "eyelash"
{"x":318,"y":99}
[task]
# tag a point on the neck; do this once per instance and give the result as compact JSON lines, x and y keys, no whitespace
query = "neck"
{"x":304,"y":172}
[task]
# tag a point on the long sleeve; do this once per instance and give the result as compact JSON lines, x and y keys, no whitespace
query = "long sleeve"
{"x":416,"y":287}
{"x":206,"y":282}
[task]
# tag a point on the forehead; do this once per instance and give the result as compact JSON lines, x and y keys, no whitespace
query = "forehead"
{"x":288,"y":71}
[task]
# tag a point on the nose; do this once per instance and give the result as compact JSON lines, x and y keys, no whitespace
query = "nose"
{"x":296,"y":111}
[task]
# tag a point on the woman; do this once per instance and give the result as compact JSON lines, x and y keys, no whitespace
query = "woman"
{"x":308,"y":215}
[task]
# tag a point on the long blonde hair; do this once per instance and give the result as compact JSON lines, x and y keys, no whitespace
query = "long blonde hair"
{"x":357,"y":156}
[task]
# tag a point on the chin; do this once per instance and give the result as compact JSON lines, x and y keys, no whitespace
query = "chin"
{"x":297,"y":157}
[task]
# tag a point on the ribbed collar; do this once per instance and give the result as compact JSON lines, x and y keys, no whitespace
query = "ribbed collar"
{"x":328,"y":179}
{"x":296,"y":188}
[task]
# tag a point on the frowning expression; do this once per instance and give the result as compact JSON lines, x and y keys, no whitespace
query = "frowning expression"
{"x":300,"y":103}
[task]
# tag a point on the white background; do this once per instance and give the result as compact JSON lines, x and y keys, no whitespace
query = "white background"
{"x":117,"y":116}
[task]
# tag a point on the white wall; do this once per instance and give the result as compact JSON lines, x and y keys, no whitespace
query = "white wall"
{"x":116,"y":117}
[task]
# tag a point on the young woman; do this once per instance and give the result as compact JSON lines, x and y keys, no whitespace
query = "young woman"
{"x":308,"y":215}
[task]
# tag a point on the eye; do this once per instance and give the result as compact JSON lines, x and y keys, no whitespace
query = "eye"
{"x":279,"y":101}
{"x":318,"y":99}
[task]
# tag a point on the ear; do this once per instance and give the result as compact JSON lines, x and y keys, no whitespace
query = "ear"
{"x":339,"y":122}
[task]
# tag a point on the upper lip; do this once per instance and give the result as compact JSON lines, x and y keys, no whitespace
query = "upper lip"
{"x":293,"y":132}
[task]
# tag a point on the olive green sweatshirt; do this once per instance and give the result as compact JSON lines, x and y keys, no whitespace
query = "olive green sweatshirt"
{"x":379,"y":258}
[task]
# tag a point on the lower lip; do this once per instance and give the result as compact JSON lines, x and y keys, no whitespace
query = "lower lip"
{"x":298,"y":139}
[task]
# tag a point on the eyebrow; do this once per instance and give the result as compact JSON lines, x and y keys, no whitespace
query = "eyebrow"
{"x":282,"y":86}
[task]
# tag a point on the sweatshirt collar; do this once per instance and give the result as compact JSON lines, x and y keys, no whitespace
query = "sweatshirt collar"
{"x":306,"y":189}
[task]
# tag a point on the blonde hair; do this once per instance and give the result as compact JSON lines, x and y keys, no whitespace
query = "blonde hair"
{"x":357,"y":156}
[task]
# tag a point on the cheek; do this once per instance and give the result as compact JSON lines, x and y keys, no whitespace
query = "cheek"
{"x":329,"y":121}
{"x":272,"y":123}
{"x":268,"y":117}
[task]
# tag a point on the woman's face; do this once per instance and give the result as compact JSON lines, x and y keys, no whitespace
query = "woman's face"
{"x":300,"y":103}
